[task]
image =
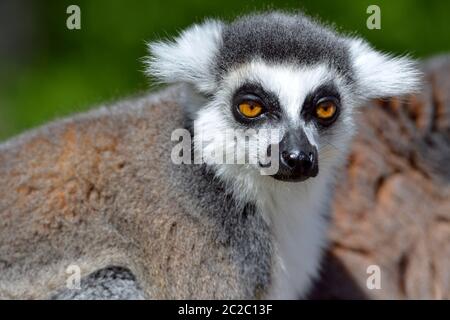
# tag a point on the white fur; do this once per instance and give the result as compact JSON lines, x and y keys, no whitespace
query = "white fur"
{"x":188,"y":58}
{"x":296,"y":215}
{"x":382,"y":75}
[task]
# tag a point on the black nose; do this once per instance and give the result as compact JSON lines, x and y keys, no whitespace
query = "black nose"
{"x":297,"y":160}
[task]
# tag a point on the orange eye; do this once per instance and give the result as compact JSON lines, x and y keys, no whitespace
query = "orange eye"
{"x":325,"y":110}
{"x":250,"y":109}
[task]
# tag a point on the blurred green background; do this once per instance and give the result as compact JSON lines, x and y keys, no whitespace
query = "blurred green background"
{"x":48,"y":71}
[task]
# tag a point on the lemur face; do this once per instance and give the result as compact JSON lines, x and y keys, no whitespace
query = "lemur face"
{"x":310,"y":106}
{"x":282,"y":73}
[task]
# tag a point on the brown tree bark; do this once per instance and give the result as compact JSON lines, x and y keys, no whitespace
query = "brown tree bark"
{"x":392,"y":206}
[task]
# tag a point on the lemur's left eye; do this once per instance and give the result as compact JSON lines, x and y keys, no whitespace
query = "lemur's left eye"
{"x":250,"y":109}
{"x":326,"y":110}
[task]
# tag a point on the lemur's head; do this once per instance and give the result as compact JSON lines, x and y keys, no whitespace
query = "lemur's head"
{"x":278,"y":71}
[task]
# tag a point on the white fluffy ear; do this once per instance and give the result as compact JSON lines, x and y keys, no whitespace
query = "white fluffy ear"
{"x":382,"y":75}
{"x":188,"y":58}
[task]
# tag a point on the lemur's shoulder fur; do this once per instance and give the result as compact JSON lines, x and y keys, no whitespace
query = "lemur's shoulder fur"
{"x":97,"y":190}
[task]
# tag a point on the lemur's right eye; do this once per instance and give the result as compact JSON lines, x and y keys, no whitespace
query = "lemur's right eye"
{"x":326,"y":110}
{"x":250,"y":109}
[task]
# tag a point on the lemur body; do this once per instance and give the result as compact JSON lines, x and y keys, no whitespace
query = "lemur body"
{"x":100,"y":189}
{"x":108,"y":200}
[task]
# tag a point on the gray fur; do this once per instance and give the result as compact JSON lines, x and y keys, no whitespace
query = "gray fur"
{"x":279,"y":38}
{"x":100,"y":190}
{"x":107,"y":284}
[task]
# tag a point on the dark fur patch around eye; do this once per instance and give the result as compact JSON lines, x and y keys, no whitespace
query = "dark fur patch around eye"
{"x":280,"y":38}
{"x":268,"y":100}
{"x":327,"y":90}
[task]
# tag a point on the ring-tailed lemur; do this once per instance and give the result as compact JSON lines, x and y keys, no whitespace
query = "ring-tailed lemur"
{"x":101,"y":190}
